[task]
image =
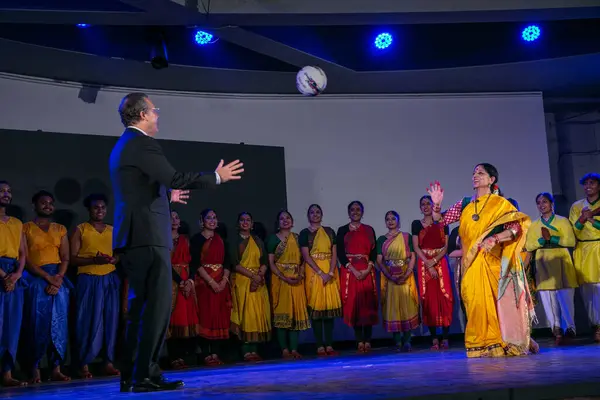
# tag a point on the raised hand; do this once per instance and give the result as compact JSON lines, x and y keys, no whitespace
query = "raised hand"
{"x":180,"y":196}
{"x":231,"y":171}
{"x":436,"y":192}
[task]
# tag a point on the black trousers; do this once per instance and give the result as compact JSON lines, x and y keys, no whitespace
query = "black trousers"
{"x":148,"y":271}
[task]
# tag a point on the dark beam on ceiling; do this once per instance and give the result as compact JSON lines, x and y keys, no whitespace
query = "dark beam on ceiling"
{"x":280,"y":51}
{"x":241,"y":37}
{"x":161,"y":13}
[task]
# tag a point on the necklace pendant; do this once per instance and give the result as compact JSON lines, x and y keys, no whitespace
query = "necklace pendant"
{"x":475,"y":217}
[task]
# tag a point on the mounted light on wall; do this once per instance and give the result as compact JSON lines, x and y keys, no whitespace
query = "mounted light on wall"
{"x":531,"y":33}
{"x":159,"y":57}
{"x":83,"y":25}
{"x":203,"y":38}
{"x":383,"y":41}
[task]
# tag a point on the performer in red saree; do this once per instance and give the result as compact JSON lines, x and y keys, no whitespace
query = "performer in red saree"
{"x":184,"y":323}
{"x":357,"y":254}
{"x":210,"y":260}
{"x":430,"y":242}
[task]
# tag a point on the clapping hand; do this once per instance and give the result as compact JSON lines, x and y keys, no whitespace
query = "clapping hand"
{"x":546,"y":233}
{"x":230,"y":171}
{"x":180,"y":196}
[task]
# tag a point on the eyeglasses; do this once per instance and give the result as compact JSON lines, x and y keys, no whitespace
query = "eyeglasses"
{"x":156,"y":110}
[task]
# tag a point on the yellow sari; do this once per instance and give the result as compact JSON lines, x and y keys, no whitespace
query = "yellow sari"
{"x":587,"y":250}
{"x":399,"y":303}
{"x":554,"y":268}
{"x":289,"y":302}
{"x":323,"y":300}
{"x":251,"y":312}
{"x":494,"y":287}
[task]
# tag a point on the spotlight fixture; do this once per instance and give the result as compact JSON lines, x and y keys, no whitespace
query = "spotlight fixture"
{"x":202,"y":38}
{"x":531,"y":33}
{"x":383,"y":40}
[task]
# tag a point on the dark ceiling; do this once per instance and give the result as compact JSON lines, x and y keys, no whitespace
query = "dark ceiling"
{"x":432,"y":51}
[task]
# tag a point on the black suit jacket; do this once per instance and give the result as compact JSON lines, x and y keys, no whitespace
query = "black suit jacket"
{"x":141,"y":175}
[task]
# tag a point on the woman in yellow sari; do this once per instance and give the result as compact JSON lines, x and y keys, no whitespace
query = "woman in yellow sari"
{"x":251,"y":312}
{"x":550,"y":239}
{"x":585,"y":217}
{"x":494,"y":287}
{"x":399,"y":298}
{"x":290,"y":314}
{"x":318,"y":247}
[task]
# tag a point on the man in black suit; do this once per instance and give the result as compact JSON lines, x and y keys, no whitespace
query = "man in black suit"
{"x":141,"y":177}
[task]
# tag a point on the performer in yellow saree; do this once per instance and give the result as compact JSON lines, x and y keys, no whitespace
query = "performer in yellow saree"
{"x":322,"y":285}
{"x":494,"y":287}
{"x":290,"y":312}
{"x":399,"y":298}
{"x":251,"y":311}
{"x":585,"y":217}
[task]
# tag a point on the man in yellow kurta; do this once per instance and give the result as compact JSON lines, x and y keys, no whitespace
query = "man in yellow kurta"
{"x":585,"y":217}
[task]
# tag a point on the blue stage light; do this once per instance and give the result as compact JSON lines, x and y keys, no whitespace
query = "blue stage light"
{"x":83,"y":25}
{"x":383,"y":41}
{"x":203,"y":38}
{"x":531,"y":33}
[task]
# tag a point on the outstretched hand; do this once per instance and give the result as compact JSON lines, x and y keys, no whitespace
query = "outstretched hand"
{"x":231,"y":171}
{"x":436,"y":192}
{"x":180,"y":196}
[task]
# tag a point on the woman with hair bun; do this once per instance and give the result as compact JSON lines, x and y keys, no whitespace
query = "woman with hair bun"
{"x":357,"y":253}
{"x":210,"y":260}
{"x":494,"y":287}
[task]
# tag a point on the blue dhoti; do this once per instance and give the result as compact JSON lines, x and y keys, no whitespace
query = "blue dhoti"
{"x":98,"y":299}
{"x":11,"y":316}
{"x":46,"y":319}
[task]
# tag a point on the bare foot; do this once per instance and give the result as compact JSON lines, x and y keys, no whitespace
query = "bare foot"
{"x":296,"y":355}
{"x":286,"y":354}
{"x":9,"y":381}
{"x":361,"y":347}
{"x":85,"y":373}
{"x":58,"y":376}
{"x":534,"y":348}
{"x":110,"y":370}
{"x":331,"y":352}
{"x":36,"y":377}
{"x":367,"y":347}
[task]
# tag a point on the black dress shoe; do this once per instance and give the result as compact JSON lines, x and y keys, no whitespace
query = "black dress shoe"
{"x":126,"y":386}
{"x":171,"y":385}
{"x":156,"y":385}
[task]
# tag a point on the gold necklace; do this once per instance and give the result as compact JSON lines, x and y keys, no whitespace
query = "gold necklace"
{"x":476,"y":215}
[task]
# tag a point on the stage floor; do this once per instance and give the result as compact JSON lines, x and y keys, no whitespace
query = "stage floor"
{"x":556,"y":373}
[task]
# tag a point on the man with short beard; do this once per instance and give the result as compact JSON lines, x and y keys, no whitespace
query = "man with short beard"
{"x":47,"y":300}
{"x":12,"y":263}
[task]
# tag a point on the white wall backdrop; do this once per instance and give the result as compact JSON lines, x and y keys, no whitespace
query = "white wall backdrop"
{"x":381,"y":150}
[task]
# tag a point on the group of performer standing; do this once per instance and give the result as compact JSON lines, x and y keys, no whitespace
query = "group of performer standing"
{"x":316,"y":276}
{"x":184,"y":288}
